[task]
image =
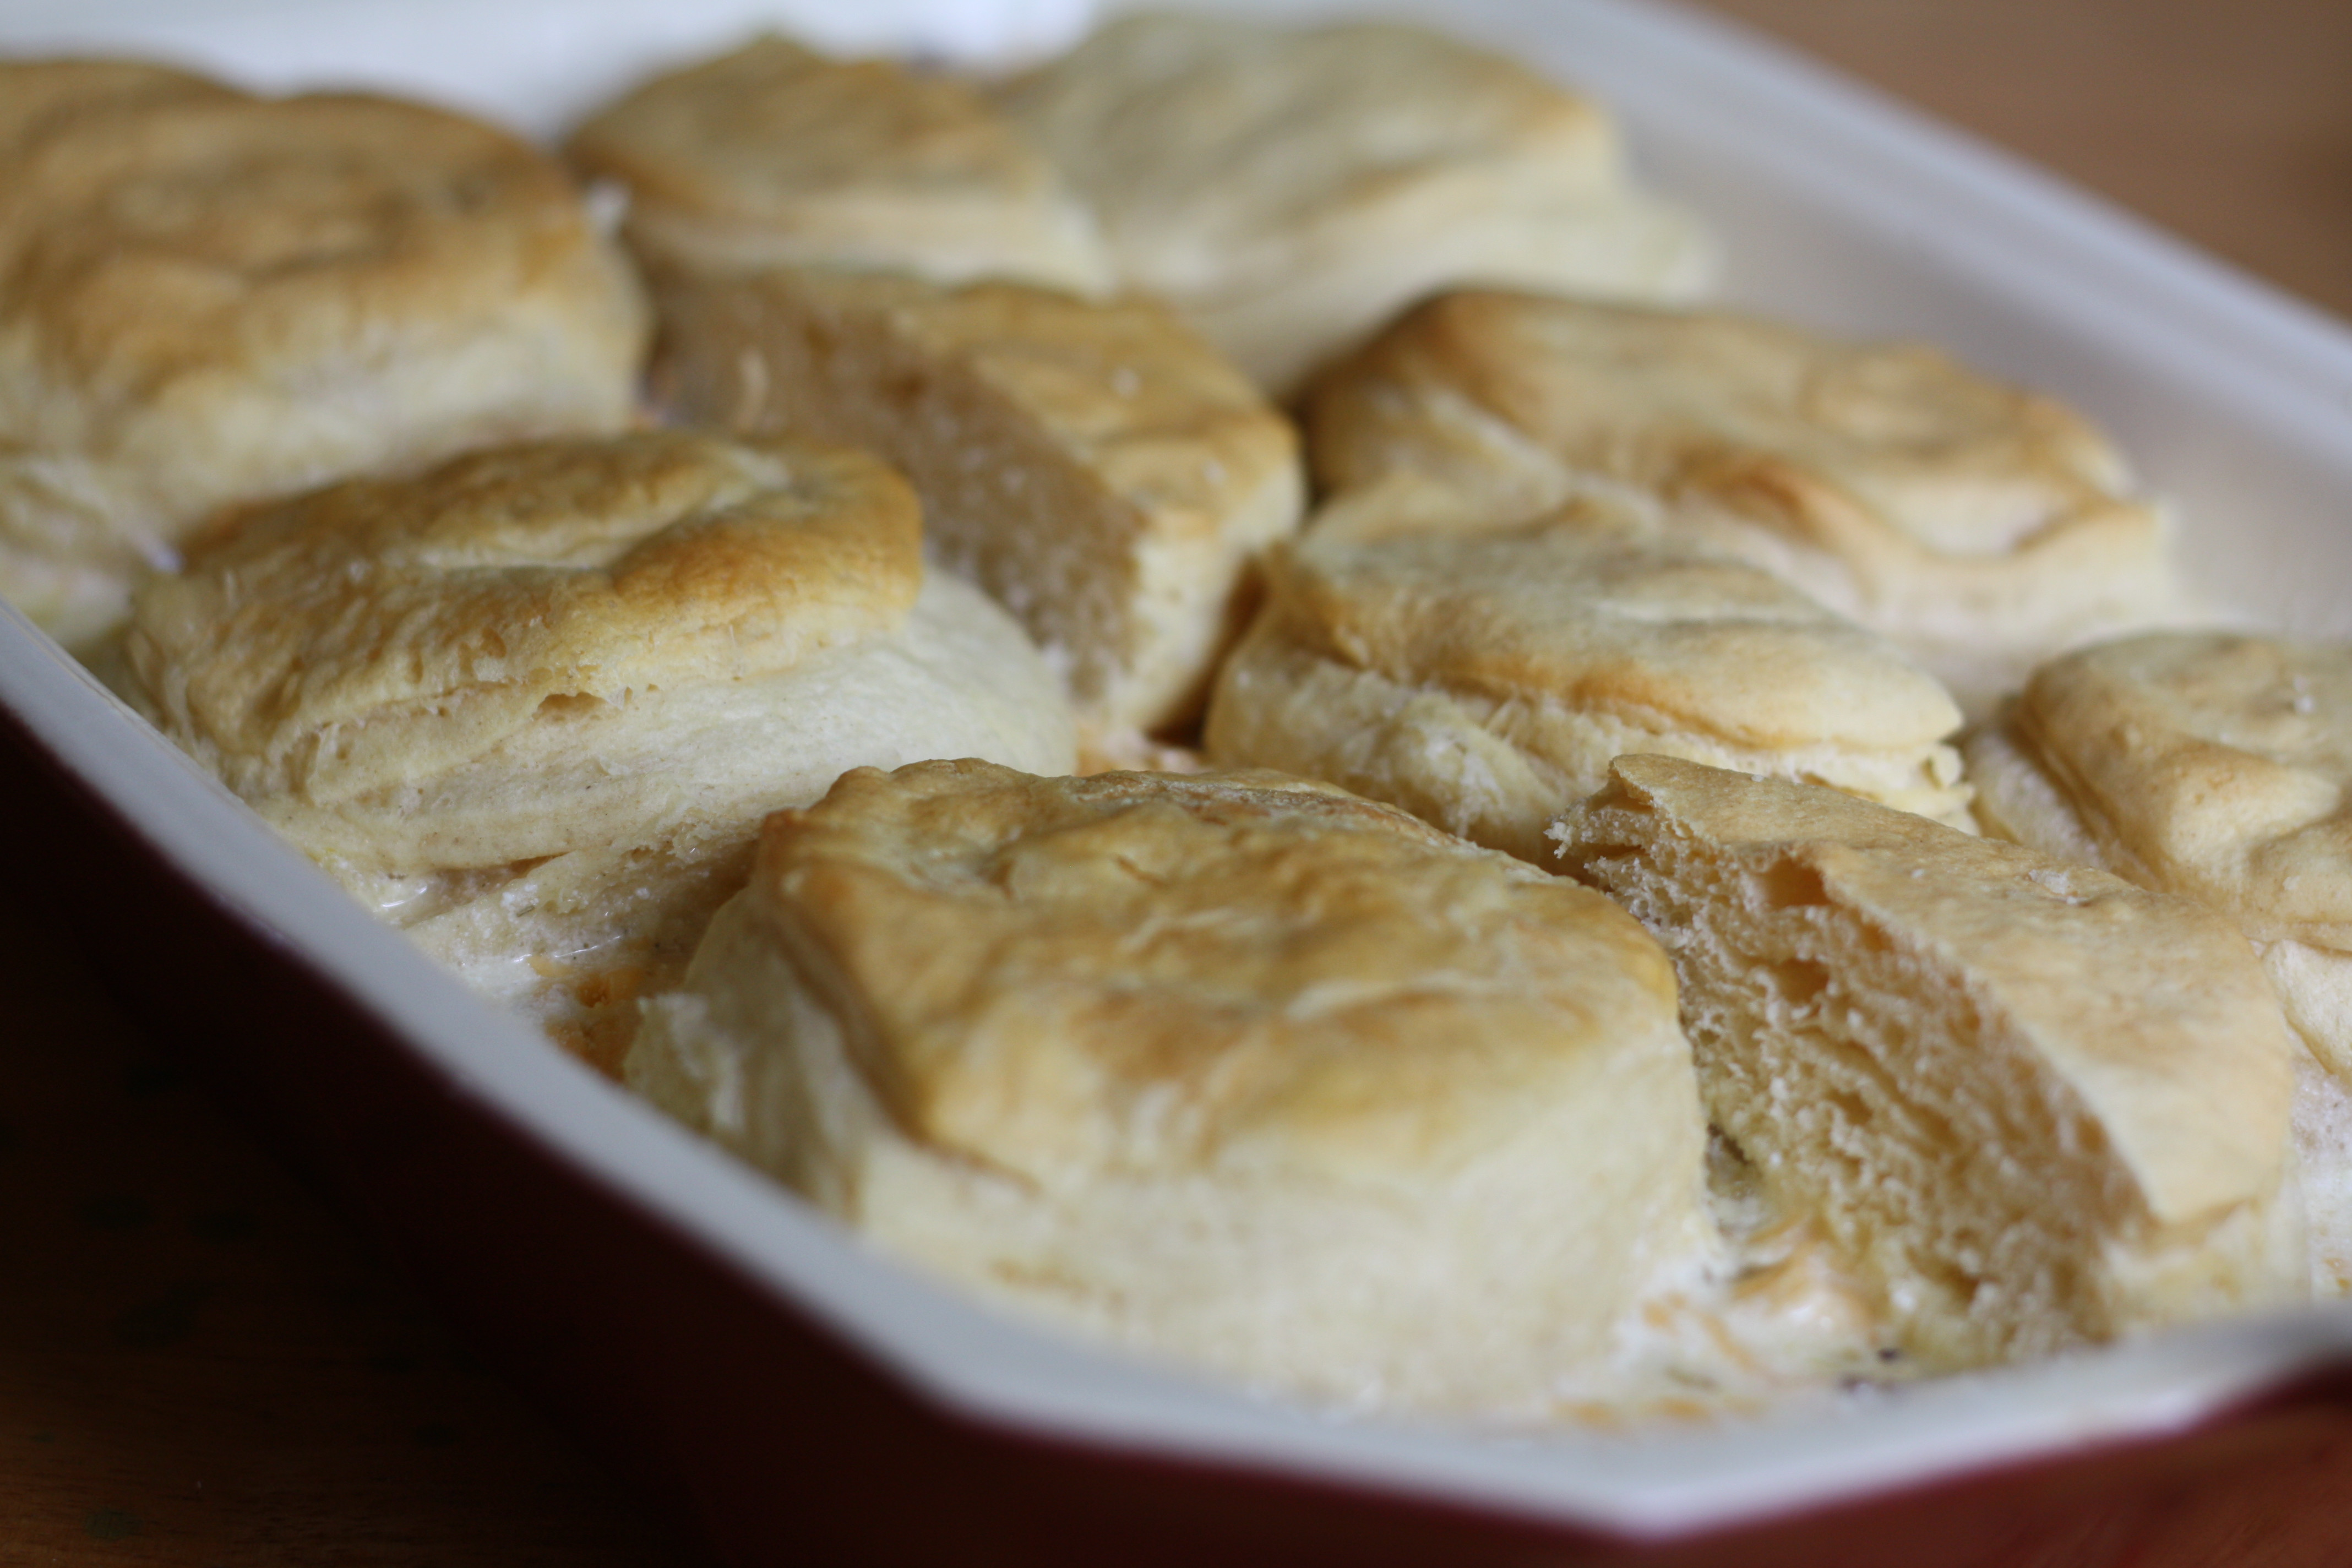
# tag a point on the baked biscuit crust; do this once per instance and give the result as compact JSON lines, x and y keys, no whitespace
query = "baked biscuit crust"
{"x":1484,"y":678}
{"x":37,"y":96}
{"x":2211,"y":763}
{"x":1234,"y":1067}
{"x":531,"y":705}
{"x":2214,"y":765}
{"x":211,"y":298}
{"x":776,"y":156}
{"x":1098,"y":468}
{"x":2037,"y":1104}
{"x":1289,"y":190}
{"x":383,"y":630}
{"x":1978,"y":526}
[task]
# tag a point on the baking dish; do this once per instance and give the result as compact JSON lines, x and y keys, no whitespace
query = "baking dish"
{"x":803,"y":1400}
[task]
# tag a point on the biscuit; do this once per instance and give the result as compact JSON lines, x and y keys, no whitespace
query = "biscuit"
{"x":1236,"y":1069}
{"x":534,"y":703}
{"x":775,"y":156}
{"x":1980,"y":526}
{"x":37,"y":97}
{"x":1095,"y":466}
{"x":2208,"y":764}
{"x":2036,"y":1104}
{"x":213,"y":298}
{"x":2216,"y":765}
{"x":1483,"y":679}
{"x":1289,"y":190}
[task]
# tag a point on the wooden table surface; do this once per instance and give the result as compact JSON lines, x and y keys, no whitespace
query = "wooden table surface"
{"x":2229,"y":124}
{"x":201,"y":1364}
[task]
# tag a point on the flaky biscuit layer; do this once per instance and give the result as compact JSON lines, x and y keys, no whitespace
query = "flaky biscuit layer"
{"x":649,"y":808}
{"x":1290,"y":189}
{"x":1484,"y":678}
{"x":2214,"y":765}
{"x":213,"y":298}
{"x":383,"y":631}
{"x":774,"y":156}
{"x":2037,"y":1104}
{"x":1978,"y":526}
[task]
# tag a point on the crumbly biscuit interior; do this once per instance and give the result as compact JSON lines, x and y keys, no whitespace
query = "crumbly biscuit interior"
{"x":2004,"y":1187}
{"x":1100,"y":471}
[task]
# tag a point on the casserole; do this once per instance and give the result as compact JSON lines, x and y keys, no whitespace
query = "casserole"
{"x":792,"y":1391}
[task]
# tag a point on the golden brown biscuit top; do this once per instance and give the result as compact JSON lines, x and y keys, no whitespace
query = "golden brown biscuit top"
{"x":38,"y":96}
{"x":2210,"y":763}
{"x":2151,"y":1006}
{"x":1120,"y":387}
{"x":1147,"y":972}
{"x":1778,"y":423}
{"x":1590,"y":608}
{"x":158,"y":241}
{"x":774,"y":153}
{"x":1207,"y":144}
{"x":382,"y":629}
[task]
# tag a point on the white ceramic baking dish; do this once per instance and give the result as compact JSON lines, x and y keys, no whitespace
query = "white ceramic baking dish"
{"x":770,"y":1374}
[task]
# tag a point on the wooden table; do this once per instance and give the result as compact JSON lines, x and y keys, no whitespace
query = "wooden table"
{"x":2229,"y":124}
{"x":200,"y":1364}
